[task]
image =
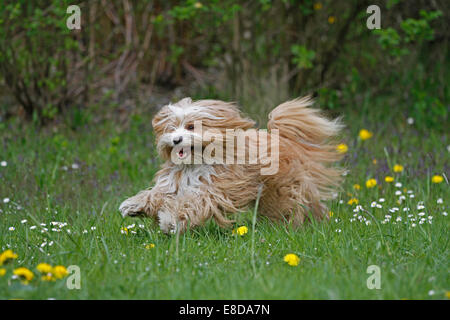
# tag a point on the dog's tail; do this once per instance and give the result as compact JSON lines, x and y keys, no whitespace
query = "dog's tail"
{"x":309,"y":138}
{"x":297,"y":122}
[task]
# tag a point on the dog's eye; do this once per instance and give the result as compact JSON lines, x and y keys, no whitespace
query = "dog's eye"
{"x":190,"y":127}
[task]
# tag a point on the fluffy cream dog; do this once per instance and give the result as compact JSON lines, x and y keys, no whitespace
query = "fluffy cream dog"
{"x":200,"y":179}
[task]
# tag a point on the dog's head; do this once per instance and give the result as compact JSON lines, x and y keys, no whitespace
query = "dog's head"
{"x":181,"y":126}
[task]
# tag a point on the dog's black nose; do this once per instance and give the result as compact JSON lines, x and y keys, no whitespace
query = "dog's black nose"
{"x":178,"y":140}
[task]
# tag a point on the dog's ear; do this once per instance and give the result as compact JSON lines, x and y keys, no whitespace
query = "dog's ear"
{"x":157,"y":121}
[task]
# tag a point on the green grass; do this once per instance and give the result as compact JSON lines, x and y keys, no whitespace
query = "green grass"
{"x":113,"y":162}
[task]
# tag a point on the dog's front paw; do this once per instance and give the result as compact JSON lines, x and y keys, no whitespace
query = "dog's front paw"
{"x":131,"y":208}
{"x":167,"y":223}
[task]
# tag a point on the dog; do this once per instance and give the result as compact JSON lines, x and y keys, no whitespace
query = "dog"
{"x":192,"y":188}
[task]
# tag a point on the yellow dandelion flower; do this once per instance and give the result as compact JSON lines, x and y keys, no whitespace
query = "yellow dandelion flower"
{"x":331,"y":19}
{"x":342,"y":148}
{"x":371,"y":183}
{"x":447,"y":294}
{"x":437,"y":179}
{"x":24,"y":274}
{"x":44,"y":268}
{"x":365,"y":134}
{"x":353,"y":201}
{"x":398,"y":168}
{"x":2,"y":272}
{"x":48,"y":277}
{"x":374,"y":161}
{"x":389,"y":179}
{"x":292,"y":259}
{"x":6,"y":256}
{"x":317,"y":6}
{"x":149,"y":246}
{"x":356,"y":187}
{"x":59,"y":272}
{"x":241,"y":230}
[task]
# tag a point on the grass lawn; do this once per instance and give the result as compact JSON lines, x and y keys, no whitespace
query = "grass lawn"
{"x":80,"y":178}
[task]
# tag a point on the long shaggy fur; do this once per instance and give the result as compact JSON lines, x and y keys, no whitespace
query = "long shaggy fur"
{"x":189,"y":194}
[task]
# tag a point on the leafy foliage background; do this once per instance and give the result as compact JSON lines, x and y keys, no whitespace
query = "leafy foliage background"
{"x":256,"y":52}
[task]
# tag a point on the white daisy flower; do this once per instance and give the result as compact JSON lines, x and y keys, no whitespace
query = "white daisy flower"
{"x":398,"y":192}
{"x":381,"y":200}
{"x":11,"y":228}
{"x":3,"y":163}
{"x":421,"y":214}
{"x":444,"y":213}
{"x":6,"y":200}
{"x":398,"y":185}
{"x":439,"y":201}
{"x":24,"y":221}
{"x":32,"y":227}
